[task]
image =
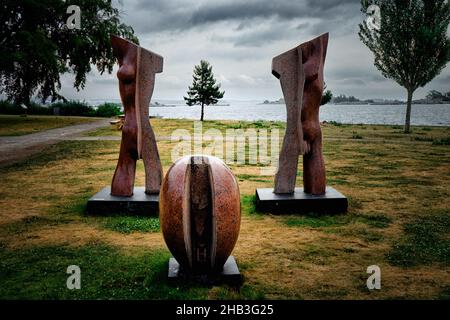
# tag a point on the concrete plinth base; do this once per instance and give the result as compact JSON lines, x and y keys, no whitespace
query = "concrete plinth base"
{"x":139,"y":204}
{"x":332,"y":202}
{"x":229,"y":275}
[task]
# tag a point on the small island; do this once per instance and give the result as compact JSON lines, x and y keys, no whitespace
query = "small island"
{"x":433,"y":97}
{"x":279,"y":101}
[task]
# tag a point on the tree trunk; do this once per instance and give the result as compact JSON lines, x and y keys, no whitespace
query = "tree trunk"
{"x":25,"y":93}
{"x":201,"y":118}
{"x":408,"y":111}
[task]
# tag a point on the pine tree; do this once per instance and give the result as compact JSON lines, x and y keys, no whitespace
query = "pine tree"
{"x":411,"y":47}
{"x":204,"y":89}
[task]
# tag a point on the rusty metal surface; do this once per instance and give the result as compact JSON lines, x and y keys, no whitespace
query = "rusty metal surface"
{"x":200,"y":212}
{"x":136,"y":76}
{"x":300,"y":71}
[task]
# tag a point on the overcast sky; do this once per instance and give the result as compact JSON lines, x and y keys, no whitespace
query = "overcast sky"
{"x":240,"y":38}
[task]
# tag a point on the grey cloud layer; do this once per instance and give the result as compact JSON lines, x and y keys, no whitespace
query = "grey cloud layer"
{"x":162,"y":15}
{"x":240,"y":38}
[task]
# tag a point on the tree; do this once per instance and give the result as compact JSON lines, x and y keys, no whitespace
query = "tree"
{"x":204,"y":89}
{"x":342,"y":98}
{"x":435,"y":95}
{"x":36,"y":45}
{"x":326,"y":97}
{"x":411,"y":46}
{"x":438,"y":96}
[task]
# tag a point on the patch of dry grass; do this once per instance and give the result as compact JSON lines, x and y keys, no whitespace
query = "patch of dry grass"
{"x":17,"y":126}
{"x":331,"y":131}
{"x":390,"y":180}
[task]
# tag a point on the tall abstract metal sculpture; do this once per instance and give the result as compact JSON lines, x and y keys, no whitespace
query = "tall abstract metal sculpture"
{"x":136,"y":75}
{"x":300,"y":71}
{"x":200,"y":216}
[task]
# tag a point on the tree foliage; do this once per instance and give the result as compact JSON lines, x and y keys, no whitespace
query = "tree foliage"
{"x":438,"y":96}
{"x":411,"y":46}
{"x":204,"y":90}
{"x":37,"y":47}
{"x":326,"y":97}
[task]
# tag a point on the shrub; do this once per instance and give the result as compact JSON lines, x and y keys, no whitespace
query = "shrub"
{"x":68,"y":108}
{"x":74,"y":108}
{"x":108,"y":110}
{"x":442,"y":142}
{"x":7,"y":107}
{"x":37,"y":109}
{"x":335,"y":123}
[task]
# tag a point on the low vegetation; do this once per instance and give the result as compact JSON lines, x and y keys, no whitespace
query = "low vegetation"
{"x":11,"y":125}
{"x":398,"y":219}
{"x":68,"y":108}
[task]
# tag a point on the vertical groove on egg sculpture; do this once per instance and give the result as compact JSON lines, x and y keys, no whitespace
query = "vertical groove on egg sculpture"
{"x":200,"y":213}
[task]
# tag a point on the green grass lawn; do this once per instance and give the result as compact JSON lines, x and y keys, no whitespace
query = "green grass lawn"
{"x":398,"y":188}
{"x":167,"y":127}
{"x":18,"y":126}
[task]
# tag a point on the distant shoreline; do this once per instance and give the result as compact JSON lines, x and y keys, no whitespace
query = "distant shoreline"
{"x":377,"y":102}
{"x":369,"y":114}
{"x":369,"y":104}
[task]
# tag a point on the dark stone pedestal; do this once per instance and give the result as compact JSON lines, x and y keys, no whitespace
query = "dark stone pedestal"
{"x":332,"y":202}
{"x":230,"y":274}
{"x":139,"y":204}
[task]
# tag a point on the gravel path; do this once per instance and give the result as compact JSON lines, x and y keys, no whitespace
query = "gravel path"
{"x":17,"y":148}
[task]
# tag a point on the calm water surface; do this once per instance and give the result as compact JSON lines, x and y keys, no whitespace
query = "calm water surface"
{"x":435,"y":115}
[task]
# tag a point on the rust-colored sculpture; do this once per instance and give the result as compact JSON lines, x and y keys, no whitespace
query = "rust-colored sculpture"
{"x":136,"y":82}
{"x":300,"y":71}
{"x":200,"y":213}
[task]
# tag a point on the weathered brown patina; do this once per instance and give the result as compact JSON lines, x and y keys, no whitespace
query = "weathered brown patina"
{"x":136,"y":74}
{"x":300,"y":71}
{"x":200,"y":213}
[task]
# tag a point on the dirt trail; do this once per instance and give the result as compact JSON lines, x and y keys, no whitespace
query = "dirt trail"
{"x":17,"y":148}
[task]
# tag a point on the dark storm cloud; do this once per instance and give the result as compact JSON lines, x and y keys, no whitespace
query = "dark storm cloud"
{"x":328,"y":6}
{"x":177,"y":15}
{"x":240,"y":37}
{"x":284,"y":10}
{"x":303,"y":25}
{"x":253,"y":23}
{"x":248,"y":10}
{"x":260,"y":35}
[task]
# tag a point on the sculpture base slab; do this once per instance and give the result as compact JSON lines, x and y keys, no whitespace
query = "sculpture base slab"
{"x":230,"y":274}
{"x":139,"y":204}
{"x":332,"y":202}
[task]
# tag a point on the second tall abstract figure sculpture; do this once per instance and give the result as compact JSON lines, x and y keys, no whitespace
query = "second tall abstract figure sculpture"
{"x":136,"y":75}
{"x":300,"y":71}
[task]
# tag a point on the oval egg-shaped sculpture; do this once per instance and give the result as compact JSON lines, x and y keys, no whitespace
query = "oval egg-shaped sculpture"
{"x":200,"y":213}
